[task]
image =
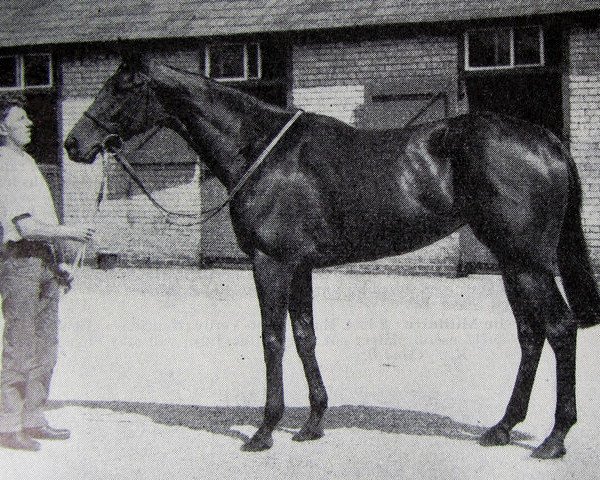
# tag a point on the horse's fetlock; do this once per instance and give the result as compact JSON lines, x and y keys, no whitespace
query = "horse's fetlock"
{"x":273,"y":415}
{"x":318,"y":401}
{"x":565,"y":421}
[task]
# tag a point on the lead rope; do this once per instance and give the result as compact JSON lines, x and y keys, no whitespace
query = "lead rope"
{"x":196,"y":218}
{"x":102,"y":194}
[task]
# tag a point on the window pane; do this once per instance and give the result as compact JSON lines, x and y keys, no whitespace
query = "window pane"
{"x":527,"y":46}
{"x":481,"y":49}
{"x":489,"y":48}
{"x":227,"y":61}
{"x":8,"y":72}
{"x":253,"y":60}
{"x":36,"y":70}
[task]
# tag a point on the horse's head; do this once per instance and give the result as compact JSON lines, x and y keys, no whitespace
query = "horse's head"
{"x":125,"y":106}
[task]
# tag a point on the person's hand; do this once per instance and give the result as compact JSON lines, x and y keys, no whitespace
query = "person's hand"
{"x":77,"y":233}
{"x":64,"y":276}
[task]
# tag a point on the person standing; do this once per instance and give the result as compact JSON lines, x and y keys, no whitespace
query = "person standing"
{"x":31,"y":277}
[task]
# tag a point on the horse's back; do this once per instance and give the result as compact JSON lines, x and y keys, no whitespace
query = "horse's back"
{"x":402,"y":189}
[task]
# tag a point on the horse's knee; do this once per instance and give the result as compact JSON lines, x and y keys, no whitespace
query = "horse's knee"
{"x":561,"y":332}
{"x":273,"y":346}
{"x":306,"y":342}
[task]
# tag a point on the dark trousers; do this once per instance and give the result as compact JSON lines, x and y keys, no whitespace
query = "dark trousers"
{"x":30,"y":295}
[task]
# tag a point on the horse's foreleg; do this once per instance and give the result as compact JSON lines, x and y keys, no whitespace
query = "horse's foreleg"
{"x":272,"y":281}
{"x":301,"y":314}
{"x":530,"y":332}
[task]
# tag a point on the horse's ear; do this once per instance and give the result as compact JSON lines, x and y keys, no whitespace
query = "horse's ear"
{"x":131,"y":58}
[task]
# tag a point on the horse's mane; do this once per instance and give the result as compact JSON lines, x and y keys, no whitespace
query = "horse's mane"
{"x":259,"y":111}
{"x":242,"y":100}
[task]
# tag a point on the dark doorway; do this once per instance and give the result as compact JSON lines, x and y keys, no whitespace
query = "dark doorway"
{"x":535,"y":97}
{"x":45,"y":143}
{"x":45,"y":146}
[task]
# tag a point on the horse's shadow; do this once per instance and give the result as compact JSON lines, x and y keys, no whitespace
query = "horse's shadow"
{"x":222,"y":420}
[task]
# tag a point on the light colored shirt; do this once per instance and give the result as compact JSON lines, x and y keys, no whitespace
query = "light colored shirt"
{"x":23,"y":190}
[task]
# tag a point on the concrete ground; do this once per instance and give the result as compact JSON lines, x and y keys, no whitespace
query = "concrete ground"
{"x":161,"y":376}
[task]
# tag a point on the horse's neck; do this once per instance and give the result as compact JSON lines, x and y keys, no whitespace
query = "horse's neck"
{"x":218,"y":124}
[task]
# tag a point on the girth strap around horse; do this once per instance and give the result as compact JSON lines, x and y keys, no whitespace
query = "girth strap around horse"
{"x":211,"y":212}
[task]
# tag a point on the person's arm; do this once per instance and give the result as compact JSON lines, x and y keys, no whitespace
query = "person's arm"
{"x":32,"y":229}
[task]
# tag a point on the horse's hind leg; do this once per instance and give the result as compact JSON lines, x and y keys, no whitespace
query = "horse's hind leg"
{"x":272,"y":281}
{"x":301,"y":314}
{"x":540,"y":312}
{"x":561,"y":332}
{"x":520,"y":291}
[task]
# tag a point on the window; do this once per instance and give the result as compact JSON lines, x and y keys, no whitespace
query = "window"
{"x":18,"y":72}
{"x":502,"y":48}
{"x":233,"y":62}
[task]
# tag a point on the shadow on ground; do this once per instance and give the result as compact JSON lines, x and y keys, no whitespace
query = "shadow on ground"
{"x":222,"y":420}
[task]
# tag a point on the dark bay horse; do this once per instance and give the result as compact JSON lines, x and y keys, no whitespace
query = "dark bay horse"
{"x":329,"y":193}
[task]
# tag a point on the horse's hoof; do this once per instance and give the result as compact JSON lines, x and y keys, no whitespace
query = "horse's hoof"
{"x":258,"y":443}
{"x":550,"y":448}
{"x":308,"y":433}
{"x":494,"y":437}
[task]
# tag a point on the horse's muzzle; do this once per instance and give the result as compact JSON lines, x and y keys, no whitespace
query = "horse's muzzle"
{"x":72,"y":149}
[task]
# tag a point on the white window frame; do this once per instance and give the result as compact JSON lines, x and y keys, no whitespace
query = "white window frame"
{"x":21,"y":72}
{"x":246,"y":76}
{"x":512,"y":64}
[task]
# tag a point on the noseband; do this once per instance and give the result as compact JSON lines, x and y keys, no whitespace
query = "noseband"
{"x":98,"y":122}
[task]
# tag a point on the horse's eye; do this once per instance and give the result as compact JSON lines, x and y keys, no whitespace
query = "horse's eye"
{"x":122,"y":86}
{"x":137,"y":80}
{"x":124,"y":83}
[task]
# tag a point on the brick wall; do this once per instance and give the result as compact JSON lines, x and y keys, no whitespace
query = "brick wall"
{"x":332,"y":79}
{"x":584,"y":103}
{"x":127,"y":224}
{"x":339,"y":101}
{"x":422,"y":56}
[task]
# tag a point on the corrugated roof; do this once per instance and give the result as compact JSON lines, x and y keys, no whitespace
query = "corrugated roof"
{"x":34,"y":22}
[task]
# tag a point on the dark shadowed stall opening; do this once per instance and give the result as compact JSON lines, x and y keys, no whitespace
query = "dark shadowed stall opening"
{"x":45,"y":146}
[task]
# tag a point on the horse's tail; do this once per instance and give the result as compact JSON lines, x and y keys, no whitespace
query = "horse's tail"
{"x":574,"y":259}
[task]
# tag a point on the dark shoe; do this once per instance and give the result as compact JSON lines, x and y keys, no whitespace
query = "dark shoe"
{"x":48,"y":433}
{"x":19,"y":441}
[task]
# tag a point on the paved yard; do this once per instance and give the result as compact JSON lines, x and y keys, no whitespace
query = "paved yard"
{"x":161,"y":376}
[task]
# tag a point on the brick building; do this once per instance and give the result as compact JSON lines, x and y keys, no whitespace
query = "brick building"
{"x":373,"y":64}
